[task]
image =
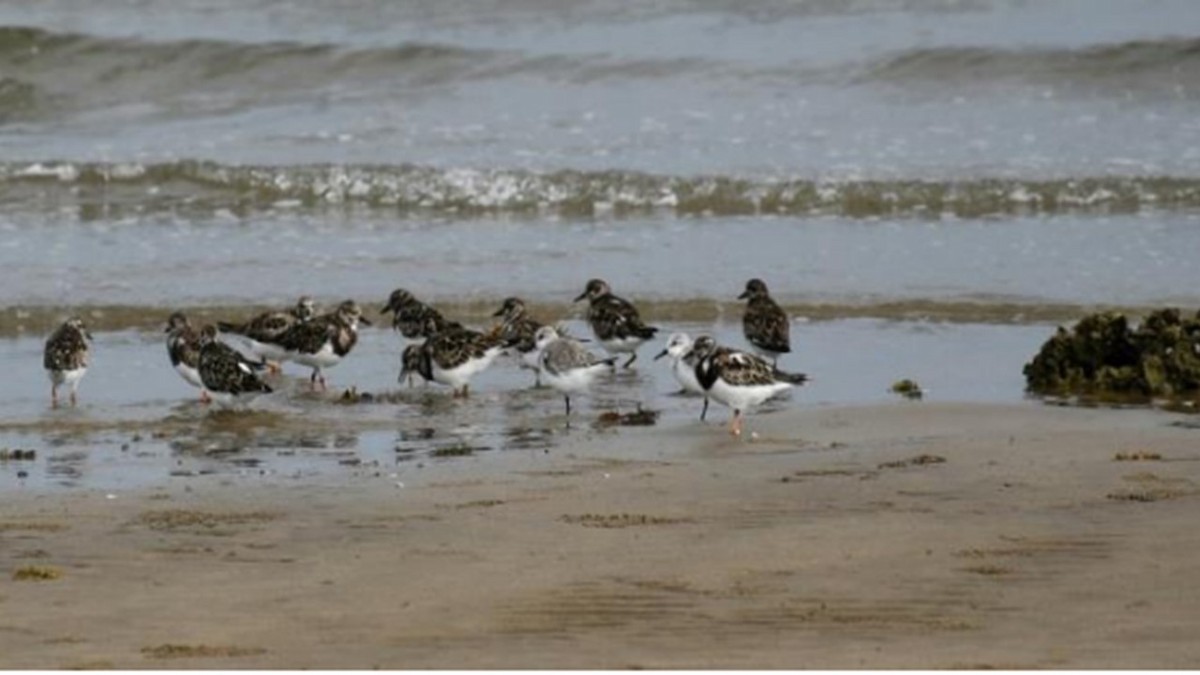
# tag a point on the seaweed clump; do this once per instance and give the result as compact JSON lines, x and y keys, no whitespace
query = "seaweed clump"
{"x":1102,"y":355}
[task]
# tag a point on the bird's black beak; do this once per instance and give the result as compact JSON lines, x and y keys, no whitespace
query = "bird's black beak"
{"x":165,"y":330}
{"x":363,"y":319}
{"x":499,"y":312}
{"x":387,"y":308}
{"x":581,"y":296}
{"x":660,"y":355}
{"x":88,"y":334}
{"x":744,"y":295}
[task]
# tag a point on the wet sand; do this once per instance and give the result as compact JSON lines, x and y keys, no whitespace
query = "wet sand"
{"x":910,"y":535}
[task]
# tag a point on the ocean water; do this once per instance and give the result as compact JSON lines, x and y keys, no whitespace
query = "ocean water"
{"x":934,"y":183}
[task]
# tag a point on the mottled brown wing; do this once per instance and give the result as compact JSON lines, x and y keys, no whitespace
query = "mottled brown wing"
{"x":269,"y":326}
{"x":307,"y":337}
{"x":766,"y":326}
{"x":66,"y":349}
{"x":519,"y":333}
{"x":223,"y":369}
{"x":614,"y":318}
{"x":452,"y":348}
{"x":416,"y":319}
{"x":742,"y":369}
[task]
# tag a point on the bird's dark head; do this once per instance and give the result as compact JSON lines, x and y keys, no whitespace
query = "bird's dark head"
{"x":176,"y":322}
{"x":208,"y":334}
{"x":397,"y":300}
{"x":703,"y":346}
{"x":595,"y":288}
{"x":512,"y":308}
{"x":351,"y":314}
{"x":75,"y":323}
{"x":305,"y":308}
{"x":755,"y":288}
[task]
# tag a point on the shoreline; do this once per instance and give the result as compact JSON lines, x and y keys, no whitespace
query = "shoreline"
{"x":905,"y":535}
{"x":26,"y":320}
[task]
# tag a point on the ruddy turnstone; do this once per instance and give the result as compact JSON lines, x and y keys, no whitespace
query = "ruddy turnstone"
{"x":615,"y":321}
{"x":66,"y":357}
{"x":412,"y":364}
{"x":322,"y":341}
{"x":738,"y":379}
{"x":765,"y":324}
{"x":454,"y":355}
{"x":411,"y":317}
{"x":567,"y":365}
{"x":183,"y":346}
{"x":683,"y":366}
{"x":261,"y":334}
{"x":225,"y":372}
{"x":518,"y":330}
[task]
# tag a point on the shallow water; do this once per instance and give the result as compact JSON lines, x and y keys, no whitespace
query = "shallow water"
{"x":155,"y":261}
{"x":131,"y":397}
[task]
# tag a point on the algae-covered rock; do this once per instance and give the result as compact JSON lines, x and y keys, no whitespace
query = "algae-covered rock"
{"x":1103,"y":355}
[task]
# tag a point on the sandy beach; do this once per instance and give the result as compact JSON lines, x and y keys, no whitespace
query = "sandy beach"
{"x":911,"y":535}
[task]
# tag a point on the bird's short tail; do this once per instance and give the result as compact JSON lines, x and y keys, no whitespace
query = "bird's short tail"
{"x":790,"y":378}
{"x":646,"y":332}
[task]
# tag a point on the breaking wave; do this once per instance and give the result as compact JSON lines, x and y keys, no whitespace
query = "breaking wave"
{"x":58,"y":72}
{"x":1173,"y":60}
{"x":196,"y":186}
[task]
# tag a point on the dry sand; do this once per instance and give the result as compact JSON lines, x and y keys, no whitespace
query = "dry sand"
{"x":824,"y":544}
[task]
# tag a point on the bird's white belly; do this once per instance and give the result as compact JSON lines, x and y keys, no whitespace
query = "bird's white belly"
{"x":189,"y":374}
{"x":576,"y":380}
{"x":745,"y":397}
{"x":531,"y":359}
{"x":686,"y":376}
{"x":462,"y":374}
{"x":323,"y":358}
{"x":622,"y":345}
{"x":70,"y":378}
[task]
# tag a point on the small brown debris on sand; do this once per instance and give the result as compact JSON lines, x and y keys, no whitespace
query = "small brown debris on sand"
{"x":1137,"y":456}
{"x":908,"y":389}
{"x":638,"y":418}
{"x":919,"y":460}
{"x":988,"y":570}
{"x":1151,"y":495}
{"x":173,"y":651}
{"x":177,"y":519}
{"x":618,"y":520}
{"x":37,"y":573}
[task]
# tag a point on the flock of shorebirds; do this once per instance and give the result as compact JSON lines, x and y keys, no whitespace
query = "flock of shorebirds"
{"x":225,"y":360}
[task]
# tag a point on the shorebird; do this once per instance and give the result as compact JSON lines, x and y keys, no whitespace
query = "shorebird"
{"x":183,"y":347}
{"x":225,"y":372}
{"x":260,"y":335}
{"x":765,"y":324}
{"x":411,"y":317}
{"x":519,"y":330}
{"x":738,"y":379}
{"x":323,"y":341}
{"x":66,"y":357}
{"x":412,"y":363}
{"x":566,"y":365}
{"x":453,"y":356}
{"x":615,"y":321}
{"x":683,"y":366}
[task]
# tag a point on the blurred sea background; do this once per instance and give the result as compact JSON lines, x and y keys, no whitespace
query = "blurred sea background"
{"x":928,"y":186}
